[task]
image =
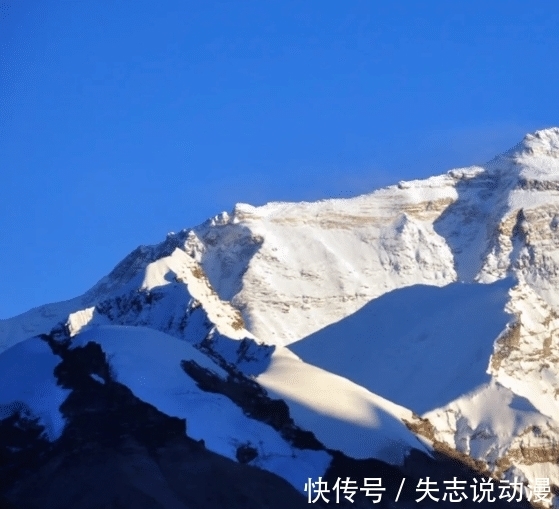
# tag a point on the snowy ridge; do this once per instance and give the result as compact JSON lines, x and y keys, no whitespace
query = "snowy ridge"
{"x":342,"y":415}
{"x":319,"y":263}
{"x":503,"y":429}
{"x":395,"y":344}
{"x":314,"y":263}
{"x":148,"y":362}
{"x":142,"y":328}
{"x":454,"y":278}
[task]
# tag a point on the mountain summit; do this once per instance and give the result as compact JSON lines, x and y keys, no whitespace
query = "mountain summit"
{"x":544,"y":142}
{"x":411,"y":331}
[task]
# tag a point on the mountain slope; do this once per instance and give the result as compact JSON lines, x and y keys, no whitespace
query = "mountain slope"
{"x":419,"y":346}
{"x":425,"y":316}
{"x":165,"y":319}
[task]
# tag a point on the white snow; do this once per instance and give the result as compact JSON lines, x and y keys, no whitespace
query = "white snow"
{"x":341,"y":414}
{"x":304,"y":266}
{"x":368,"y":288}
{"x":29,"y":385}
{"x":97,"y":378}
{"x":420,"y":346}
{"x":182,"y":268}
{"x":483,"y":421}
{"x":148,"y":362}
{"x":36,"y":321}
{"x":79,"y":320}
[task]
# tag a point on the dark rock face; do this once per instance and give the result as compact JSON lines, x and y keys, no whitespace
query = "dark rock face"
{"x":177,"y":474}
{"x":246,"y":453}
{"x":256,"y":403}
{"x":119,"y":452}
{"x":22,"y":442}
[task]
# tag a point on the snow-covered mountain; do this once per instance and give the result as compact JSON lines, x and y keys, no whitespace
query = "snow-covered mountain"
{"x":405,"y":326}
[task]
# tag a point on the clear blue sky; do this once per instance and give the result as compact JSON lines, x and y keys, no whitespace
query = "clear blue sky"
{"x":121,"y":121}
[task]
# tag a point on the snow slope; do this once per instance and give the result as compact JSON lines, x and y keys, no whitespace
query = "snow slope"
{"x":172,"y":295}
{"x":341,"y":414}
{"x":29,"y":386}
{"x":439,"y":296}
{"x":420,"y":346}
{"x":148,"y":362}
{"x":279,"y":262}
{"x":294,"y":268}
{"x":505,"y":430}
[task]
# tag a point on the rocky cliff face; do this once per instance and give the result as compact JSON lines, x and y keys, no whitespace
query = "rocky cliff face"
{"x":331,"y":276}
{"x":319,"y":262}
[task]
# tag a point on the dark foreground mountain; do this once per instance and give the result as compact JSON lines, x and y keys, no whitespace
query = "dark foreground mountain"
{"x":119,"y":452}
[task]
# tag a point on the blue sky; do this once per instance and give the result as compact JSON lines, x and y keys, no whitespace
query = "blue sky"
{"x":121,"y":121}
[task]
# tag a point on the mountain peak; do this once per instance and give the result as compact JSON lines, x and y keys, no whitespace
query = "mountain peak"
{"x":544,"y":142}
{"x":534,"y":161}
{"x":544,"y":138}
{"x":381,"y":292}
